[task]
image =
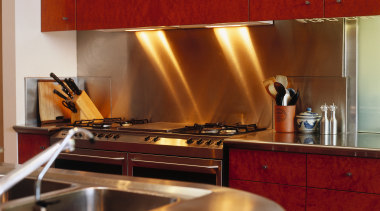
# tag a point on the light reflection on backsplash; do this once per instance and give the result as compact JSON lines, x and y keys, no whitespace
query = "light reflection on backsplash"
{"x":216,"y":75}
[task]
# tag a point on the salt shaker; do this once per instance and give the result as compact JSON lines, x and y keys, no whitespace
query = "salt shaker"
{"x":325,"y":123}
{"x":333,"y":121}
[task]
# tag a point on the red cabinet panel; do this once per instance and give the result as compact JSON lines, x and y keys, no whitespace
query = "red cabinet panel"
{"x":267,"y":166}
{"x":343,"y":173}
{"x":105,"y":14}
{"x":285,"y":9}
{"x":321,"y":199}
{"x":289,"y":197}
{"x":347,"y":8}
{"x":57,"y":15}
{"x":31,"y":144}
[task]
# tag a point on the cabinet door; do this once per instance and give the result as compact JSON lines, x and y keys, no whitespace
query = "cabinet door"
{"x":107,"y":14}
{"x":285,"y":9}
{"x":343,"y":173}
{"x":346,"y":8}
{"x":322,"y":199}
{"x":289,"y":197}
{"x":57,"y":15}
{"x":30,"y":145}
{"x":267,"y":166}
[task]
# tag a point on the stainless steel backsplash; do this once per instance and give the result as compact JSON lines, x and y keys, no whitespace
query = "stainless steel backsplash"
{"x":216,"y":75}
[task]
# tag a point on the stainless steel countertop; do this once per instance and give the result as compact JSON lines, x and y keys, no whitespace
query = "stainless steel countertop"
{"x":192,"y":196}
{"x":354,"y":144}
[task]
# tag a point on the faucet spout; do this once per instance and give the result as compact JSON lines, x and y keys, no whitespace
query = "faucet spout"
{"x":48,"y":155}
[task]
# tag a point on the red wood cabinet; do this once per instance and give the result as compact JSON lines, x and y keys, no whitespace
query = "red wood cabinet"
{"x":285,"y":9}
{"x":346,"y":8}
{"x":322,"y":199}
{"x":289,"y":197}
{"x":30,"y":145}
{"x":57,"y":15}
{"x":307,"y":181}
{"x":106,"y":14}
{"x":268,"y":166}
{"x":343,"y":173}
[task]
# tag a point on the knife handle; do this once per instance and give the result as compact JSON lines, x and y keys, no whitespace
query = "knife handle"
{"x":59,"y":94}
{"x":64,"y":87}
{"x":75,"y":89}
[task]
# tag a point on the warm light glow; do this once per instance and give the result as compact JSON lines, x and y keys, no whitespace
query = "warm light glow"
{"x":251,"y":51}
{"x":149,"y":42}
{"x":179,"y":71}
{"x":223,"y":26}
{"x":159,"y":50}
{"x":228,"y":39}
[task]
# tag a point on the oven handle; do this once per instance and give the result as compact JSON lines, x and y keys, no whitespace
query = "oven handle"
{"x":92,"y":158}
{"x":176,"y":166}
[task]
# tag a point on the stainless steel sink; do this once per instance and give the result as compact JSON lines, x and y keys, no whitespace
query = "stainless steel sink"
{"x":99,"y":199}
{"x":26,"y":188}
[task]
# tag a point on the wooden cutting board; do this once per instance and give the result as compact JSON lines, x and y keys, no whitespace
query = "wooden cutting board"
{"x":50,"y":105}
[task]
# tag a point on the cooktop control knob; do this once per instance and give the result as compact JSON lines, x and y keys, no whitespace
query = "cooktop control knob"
{"x":209,"y":142}
{"x":189,"y":141}
{"x":200,"y":141}
{"x":108,"y":135}
{"x":80,"y":135}
{"x":147,"y":138}
{"x":156,"y":138}
{"x":100,"y":135}
{"x":95,"y":134}
{"x":219,"y":142}
{"x":116,"y":136}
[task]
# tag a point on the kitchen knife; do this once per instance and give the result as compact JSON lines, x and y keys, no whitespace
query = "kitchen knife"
{"x":65,"y":89}
{"x":59,"y":94}
{"x":74,"y":87}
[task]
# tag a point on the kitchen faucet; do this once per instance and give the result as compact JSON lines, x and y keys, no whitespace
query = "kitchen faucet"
{"x":49,"y":155}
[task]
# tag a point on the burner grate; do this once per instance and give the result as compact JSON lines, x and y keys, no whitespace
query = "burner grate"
{"x":217,"y":129}
{"x":107,"y":123}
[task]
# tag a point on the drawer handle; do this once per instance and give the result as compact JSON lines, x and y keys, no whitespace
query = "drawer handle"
{"x":307,"y":2}
{"x":348,"y":174}
{"x":65,"y":18}
{"x":265,"y":167}
{"x":42,"y":147}
{"x":338,"y":1}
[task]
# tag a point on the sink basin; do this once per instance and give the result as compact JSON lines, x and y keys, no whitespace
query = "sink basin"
{"x":99,"y":199}
{"x":26,"y":188}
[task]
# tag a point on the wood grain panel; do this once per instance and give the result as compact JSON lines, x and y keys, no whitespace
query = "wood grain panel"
{"x":347,"y":8}
{"x":321,"y":199}
{"x":30,"y":145}
{"x":343,"y":173}
{"x":107,"y":14}
{"x":268,"y":166}
{"x":285,"y":9}
{"x":54,"y":14}
{"x":289,"y":197}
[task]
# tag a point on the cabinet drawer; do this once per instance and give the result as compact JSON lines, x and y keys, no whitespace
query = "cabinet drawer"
{"x":343,"y":173}
{"x":322,"y":199}
{"x":268,"y":166}
{"x":289,"y":197}
{"x":346,"y":8}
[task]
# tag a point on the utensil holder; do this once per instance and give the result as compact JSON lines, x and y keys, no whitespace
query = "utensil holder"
{"x":284,"y":118}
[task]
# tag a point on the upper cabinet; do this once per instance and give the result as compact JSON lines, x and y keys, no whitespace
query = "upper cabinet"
{"x":346,"y":8}
{"x":57,"y":15}
{"x":285,"y":9}
{"x":107,"y":14}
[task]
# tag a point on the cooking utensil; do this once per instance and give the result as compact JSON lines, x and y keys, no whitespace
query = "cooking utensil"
{"x":294,"y":99}
{"x":292,"y":92}
{"x":65,"y":89}
{"x":280,"y":92}
{"x":286,"y":98}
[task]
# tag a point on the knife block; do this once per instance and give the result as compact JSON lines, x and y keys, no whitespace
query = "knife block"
{"x":86,"y":108}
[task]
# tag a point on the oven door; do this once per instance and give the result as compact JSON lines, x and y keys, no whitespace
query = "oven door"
{"x":94,"y":161}
{"x":175,"y":168}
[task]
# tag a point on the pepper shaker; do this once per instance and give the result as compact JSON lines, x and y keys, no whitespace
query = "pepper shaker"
{"x":333,"y":121}
{"x":325,"y":123}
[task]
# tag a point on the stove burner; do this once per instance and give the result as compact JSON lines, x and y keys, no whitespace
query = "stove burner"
{"x":218,"y":129}
{"x":108,"y":123}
